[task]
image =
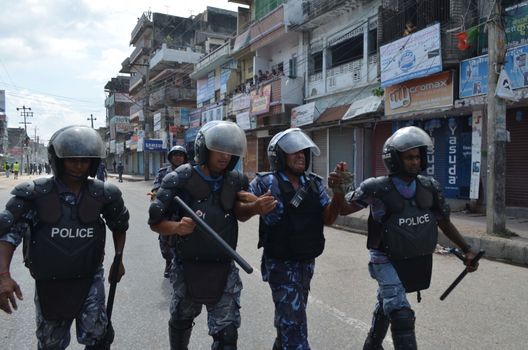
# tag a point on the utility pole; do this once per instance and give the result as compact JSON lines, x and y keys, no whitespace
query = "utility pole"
{"x":146,"y":123}
{"x":35,"y":146}
{"x":91,"y":119}
{"x":496,"y":126}
{"x":26,"y":112}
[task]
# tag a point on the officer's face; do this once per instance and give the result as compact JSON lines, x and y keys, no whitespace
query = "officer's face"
{"x":411,"y":161}
{"x":78,"y":167}
{"x":218,"y":161}
{"x":295,"y":162}
{"x":177,"y":159}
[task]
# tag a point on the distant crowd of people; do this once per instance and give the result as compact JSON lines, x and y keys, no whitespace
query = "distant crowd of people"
{"x":34,"y":168}
{"x":259,"y":78}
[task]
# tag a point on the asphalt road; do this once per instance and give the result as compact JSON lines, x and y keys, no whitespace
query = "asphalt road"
{"x":488,"y":310}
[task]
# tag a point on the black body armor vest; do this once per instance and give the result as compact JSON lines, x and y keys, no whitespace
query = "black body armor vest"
{"x":299,"y":233}
{"x":68,"y":241}
{"x":217,"y":211}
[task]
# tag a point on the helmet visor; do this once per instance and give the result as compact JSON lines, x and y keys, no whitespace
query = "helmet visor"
{"x":294,"y":140}
{"x":78,"y":142}
{"x":226,"y":137}
{"x":408,"y":138}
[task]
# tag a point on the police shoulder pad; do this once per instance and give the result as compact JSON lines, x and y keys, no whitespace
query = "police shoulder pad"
{"x":43,"y":185}
{"x":111,"y":192}
{"x":238,"y":179}
{"x":96,"y":188}
{"x":24,"y":190}
{"x":429,"y":182}
{"x":375,"y":185}
{"x":177,"y":177}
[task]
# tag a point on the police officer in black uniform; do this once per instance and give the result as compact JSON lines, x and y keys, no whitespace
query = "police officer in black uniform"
{"x":201,"y":273}
{"x":406,"y":210}
{"x":60,"y":220}
{"x":176,"y":156}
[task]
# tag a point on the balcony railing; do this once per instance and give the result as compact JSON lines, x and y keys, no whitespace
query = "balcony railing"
{"x":145,"y":21}
{"x":211,"y":60}
{"x":344,"y":76}
{"x":171,"y":94}
{"x":166,"y":58}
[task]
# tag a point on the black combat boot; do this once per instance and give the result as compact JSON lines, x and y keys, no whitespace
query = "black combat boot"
{"x":277,"y":344}
{"x":180,"y":333}
{"x":166,"y":273}
{"x":378,"y":330}
{"x":105,"y":342}
{"x":402,"y":328}
{"x":226,"y":339}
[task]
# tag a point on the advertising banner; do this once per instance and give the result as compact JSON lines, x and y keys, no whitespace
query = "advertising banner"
{"x":241,"y":101}
{"x":474,"y":77}
{"x":260,"y":100}
{"x":476,"y":146}
{"x":243,"y":120}
{"x":303,"y":115}
{"x":474,"y":72}
{"x":435,"y":91}
{"x":413,"y":56}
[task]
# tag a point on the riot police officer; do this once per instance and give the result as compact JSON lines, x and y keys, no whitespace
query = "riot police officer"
{"x":201,"y":273}
{"x":406,"y":210}
{"x":294,"y":211}
{"x":60,"y":220}
{"x":176,"y":156}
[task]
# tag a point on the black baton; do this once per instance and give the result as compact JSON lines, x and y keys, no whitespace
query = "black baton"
{"x":113,"y":284}
{"x":207,"y":229}
{"x":462,"y":275}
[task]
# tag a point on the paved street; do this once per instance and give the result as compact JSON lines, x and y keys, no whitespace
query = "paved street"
{"x":486,"y":311}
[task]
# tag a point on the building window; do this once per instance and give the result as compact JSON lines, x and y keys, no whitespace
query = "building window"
{"x":316,"y":63}
{"x":347,"y":51}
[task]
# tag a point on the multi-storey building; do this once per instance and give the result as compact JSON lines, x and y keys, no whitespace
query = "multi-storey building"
{"x":117,"y":106}
{"x":166,"y":48}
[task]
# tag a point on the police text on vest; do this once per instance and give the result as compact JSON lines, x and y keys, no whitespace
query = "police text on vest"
{"x":72,"y":233}
{"x":418,"y":220}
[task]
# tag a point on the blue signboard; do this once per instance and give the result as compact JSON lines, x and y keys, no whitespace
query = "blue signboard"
{"x":474,"y":72}
{"x":516,"y":66}
{"x":474,"y":77}
{"x":190,"y":134}
{"x":184,"y":116}
{"x":153,"y":145}
{"x":450,"y":160}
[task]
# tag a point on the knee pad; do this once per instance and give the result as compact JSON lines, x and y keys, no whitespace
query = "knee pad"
{"x":402,"y":320}
{"x":180,"y":325}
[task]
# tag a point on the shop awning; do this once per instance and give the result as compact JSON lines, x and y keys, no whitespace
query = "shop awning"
{"x":363,"y":106}
{"x":333,"y":114}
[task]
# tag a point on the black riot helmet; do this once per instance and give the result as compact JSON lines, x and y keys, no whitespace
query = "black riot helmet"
{"x":220,"y":136}
{"x":403,"y":140}
{"x":290,"y":141}
{"x":178,"y":149}
{"x":75,"y":141}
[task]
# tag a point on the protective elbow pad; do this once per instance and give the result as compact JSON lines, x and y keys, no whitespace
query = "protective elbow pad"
{"x":156,"y":212}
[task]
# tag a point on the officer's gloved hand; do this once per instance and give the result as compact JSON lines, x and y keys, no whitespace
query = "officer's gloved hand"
{"x":341,"y":180}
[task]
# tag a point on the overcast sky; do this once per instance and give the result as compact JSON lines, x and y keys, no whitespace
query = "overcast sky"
{"x":57,"y":55}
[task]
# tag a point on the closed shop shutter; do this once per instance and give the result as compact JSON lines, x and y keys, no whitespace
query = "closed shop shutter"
{"x":382,"y":132}
{"x":342,"y":147}
{"x":319,"y":164}
{"x":517,"y":158}
{"x":250,"y":161}
{"x":262,"y":153}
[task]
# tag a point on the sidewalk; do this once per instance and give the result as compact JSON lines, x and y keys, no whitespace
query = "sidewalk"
{"x":471,"y":226}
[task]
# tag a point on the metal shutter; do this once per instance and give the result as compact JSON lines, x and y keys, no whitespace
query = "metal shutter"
{"x":342,"y":147}
{"x":382,"y":131}
{"x":517,"y":158}
{"x":319,"y":164}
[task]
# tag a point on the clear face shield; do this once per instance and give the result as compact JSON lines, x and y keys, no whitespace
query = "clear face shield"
{"x":294,"y":140}
{"x":226,"y":137}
